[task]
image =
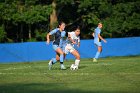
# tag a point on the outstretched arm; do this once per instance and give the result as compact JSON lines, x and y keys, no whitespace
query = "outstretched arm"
{"x":69,"y":37}
{"x":51,"y":33}
{"x":48,"y":38}
{"x":93,"y":34}
{"x":102,"y":38}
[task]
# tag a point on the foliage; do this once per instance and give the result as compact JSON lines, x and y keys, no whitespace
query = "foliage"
{"x":120,"y":18}
{"x":2,"y":34}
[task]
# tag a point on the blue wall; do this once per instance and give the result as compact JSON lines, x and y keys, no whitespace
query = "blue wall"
{"x":38,"y":51}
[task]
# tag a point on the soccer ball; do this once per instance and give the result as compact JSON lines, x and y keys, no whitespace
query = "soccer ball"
{"x":73,"y":67}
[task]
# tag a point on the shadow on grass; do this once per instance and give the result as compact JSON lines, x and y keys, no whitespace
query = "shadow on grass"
{"x":82,"y":67}
{"x":67,"y":67}
{"x":46,"y":88}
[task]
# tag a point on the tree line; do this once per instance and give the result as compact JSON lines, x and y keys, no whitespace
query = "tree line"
{"x":31,"y":20}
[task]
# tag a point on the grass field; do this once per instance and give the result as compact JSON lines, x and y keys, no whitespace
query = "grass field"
{"x":108,"y":75}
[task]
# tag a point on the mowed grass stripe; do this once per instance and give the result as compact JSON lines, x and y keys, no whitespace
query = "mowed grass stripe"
{"x":108,"y":75}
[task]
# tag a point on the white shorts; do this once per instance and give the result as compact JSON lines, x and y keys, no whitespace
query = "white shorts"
{"x":69,"y":48}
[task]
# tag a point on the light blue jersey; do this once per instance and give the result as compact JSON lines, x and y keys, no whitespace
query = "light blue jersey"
{"x":59,"y":38}
{"x":97,"y":40}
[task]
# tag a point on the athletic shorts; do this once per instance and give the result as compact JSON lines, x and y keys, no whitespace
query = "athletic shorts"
{"x":69,"y":48}
{"x":55,"y":47}
{"x":98,"y":43}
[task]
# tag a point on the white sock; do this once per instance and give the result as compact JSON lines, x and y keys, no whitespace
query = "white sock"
{"x":77,"y":62}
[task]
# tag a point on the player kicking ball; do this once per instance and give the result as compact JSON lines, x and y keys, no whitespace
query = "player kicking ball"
{"x":73,"y":39}
{"x":97,"y":41}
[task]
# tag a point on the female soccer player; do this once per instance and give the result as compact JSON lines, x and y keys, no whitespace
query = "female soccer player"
{"x":59,"y":35}
{"x":73,"y":38}
{"x":97,"y":41}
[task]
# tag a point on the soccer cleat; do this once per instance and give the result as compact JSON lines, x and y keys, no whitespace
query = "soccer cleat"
{"x":94,"y":60}
{"x":62,"y":67}
{"x":50,"y":64}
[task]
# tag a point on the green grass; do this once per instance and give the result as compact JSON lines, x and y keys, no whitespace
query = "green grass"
{"x":108,"y":75}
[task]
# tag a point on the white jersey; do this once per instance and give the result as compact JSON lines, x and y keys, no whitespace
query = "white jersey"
{"x":69,"y":45}
{"x":73,"y":37}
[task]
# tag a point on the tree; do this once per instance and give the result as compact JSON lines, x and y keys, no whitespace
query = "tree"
{"x":2,"y":34}
{"x":25,"y":12}
{"x":36,"y":14}
{"x":53,"y":16}
{"x":27,"y":18}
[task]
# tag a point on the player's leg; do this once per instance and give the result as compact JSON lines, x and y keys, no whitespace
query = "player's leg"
{"x":59,"y":56}
{"x":77,"y":56}
{"x":54,"y":60}
{"x":61,"y":53}
{"x":69,"y":48}
{"x":99,"y":46}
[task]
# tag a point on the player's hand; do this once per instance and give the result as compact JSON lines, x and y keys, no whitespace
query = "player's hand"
{"x":74,"y":42}
{"x":105,"y":41}
{"x":48,"y":42}
{"x":78,"y":46}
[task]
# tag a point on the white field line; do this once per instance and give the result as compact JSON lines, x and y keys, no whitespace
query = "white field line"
{"x":32,"y":66}
{"x":81,"y":74}
{"x":16,"y":68}
{"x":46,"y":66}
{"x":25,"y":67}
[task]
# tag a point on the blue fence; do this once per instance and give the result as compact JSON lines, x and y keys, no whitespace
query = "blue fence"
{"x":39,"y":51}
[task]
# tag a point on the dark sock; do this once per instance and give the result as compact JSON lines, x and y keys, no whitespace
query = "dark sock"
{"x":61,"y":62}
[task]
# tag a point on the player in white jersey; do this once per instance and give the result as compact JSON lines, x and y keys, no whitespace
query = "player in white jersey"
{"x":73,"y":39}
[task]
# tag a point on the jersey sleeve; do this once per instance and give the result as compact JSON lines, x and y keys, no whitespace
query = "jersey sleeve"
{"x":53,"y":31}
{"x":63,"y":34}
{"x":98,"y":31}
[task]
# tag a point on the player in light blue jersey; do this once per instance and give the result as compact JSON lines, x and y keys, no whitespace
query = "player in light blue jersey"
{"x":59,"y":35}
{"x":97,"y":41}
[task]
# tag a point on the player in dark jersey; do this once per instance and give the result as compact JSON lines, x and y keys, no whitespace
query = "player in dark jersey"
{"x":59,"y":34}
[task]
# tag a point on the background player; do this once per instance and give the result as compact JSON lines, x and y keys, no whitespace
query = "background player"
{"x":97,"y":41}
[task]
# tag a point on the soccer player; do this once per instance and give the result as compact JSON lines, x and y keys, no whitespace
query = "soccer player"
{"x":97,"y":41}
{"x":73,"y":39}
{"x":59,"y":35}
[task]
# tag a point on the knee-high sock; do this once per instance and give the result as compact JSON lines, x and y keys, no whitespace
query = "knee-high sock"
{"x":54,"y":60}
{"x":77,"y":62}
{"x":61,"y":58}
{"x":97,"y":55}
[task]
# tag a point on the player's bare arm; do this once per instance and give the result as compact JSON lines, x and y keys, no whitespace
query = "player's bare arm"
{"x":48,"y":38}
{"x":69,"y":36}
{"x":78,"y":44}
{"x":93,"y":34}
{"x":102,"y":38}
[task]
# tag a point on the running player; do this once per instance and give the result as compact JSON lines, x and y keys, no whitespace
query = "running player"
{"x":59,"y":35}
{"x":73,"y":39}
{"x":97,"y":41}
